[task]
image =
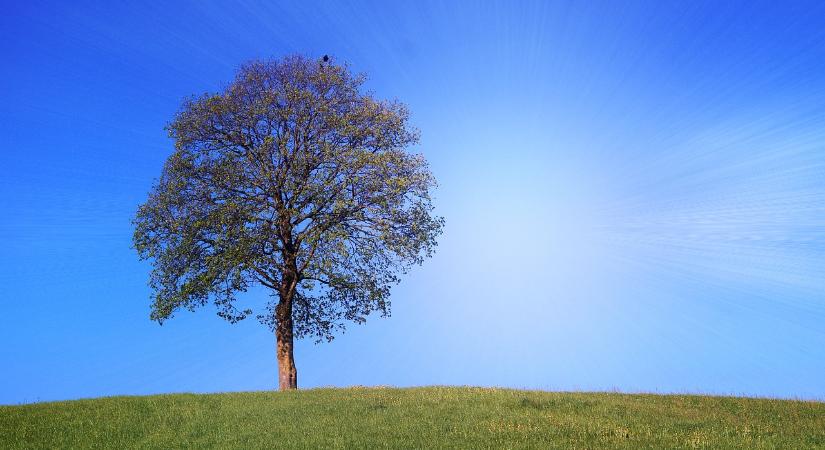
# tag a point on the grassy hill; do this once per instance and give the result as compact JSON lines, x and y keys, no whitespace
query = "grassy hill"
{"x":415,"y":418}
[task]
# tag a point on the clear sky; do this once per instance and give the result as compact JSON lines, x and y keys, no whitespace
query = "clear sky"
{"x":634,"y":194}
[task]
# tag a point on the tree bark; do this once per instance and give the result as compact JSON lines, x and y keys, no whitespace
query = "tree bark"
{"x":287,"y":373}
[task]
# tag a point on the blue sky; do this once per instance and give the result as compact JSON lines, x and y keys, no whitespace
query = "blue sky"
{"x":634,"y":194}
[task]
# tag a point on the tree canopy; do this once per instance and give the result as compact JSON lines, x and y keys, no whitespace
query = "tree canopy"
{"x":294,"y":178}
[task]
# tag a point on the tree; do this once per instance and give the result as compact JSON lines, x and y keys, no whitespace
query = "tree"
{"x":295,"y":179}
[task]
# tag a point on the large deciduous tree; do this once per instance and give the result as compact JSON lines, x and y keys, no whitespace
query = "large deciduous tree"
{"x":296,"y":179}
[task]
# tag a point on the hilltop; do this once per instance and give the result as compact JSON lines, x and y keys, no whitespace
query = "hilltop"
{"x":416,"y":418}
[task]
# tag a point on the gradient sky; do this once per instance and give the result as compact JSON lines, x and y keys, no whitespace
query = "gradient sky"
{"x":634,"y":194}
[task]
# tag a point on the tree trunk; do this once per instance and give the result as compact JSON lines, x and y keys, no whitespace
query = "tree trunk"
{"x":287,"y":374}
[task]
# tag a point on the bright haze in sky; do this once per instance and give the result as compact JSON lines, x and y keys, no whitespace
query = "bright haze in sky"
{"x":634,"y":194}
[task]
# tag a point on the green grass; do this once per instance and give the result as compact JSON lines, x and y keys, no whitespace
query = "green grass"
{"x":415,"y":418}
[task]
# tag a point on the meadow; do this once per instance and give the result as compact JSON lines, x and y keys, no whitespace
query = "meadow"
{"x":431,"y":417}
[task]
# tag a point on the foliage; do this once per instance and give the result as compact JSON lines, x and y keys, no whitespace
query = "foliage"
{"x":293,"y":178}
